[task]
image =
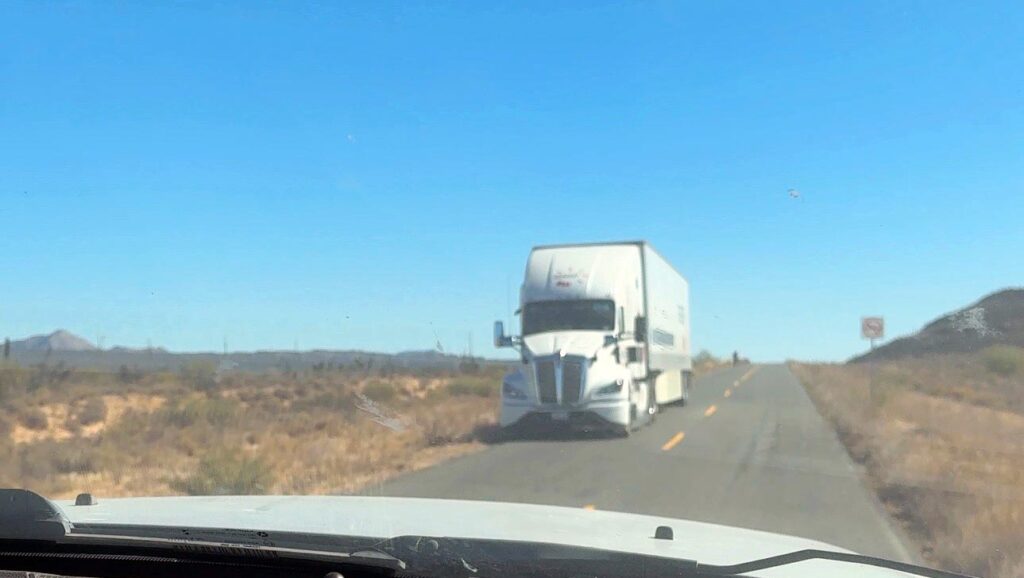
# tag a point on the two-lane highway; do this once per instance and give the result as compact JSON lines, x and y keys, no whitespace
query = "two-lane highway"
{"x":750,"y":450}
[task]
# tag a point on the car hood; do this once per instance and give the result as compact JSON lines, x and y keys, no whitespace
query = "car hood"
{"x":391,"y":517}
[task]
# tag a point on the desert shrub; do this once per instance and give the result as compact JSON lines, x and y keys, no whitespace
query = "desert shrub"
{"x":477,"y":387}
{"x":379,"y":391}
{"x":216,"y":412}
{"x":451,"y":421}
{"x":1003,"y":360}
{"x":13,"y":382}
{"x":34,"y":418}
{"x":127,"y":374}
{"x":74,"y":428}
{"x":67,"y":458}
{"x":46,"y":459}
{"x":227,"y":473}
{"x":439,"y":430}
{"x":44,"y":375}
{"x":469,"y":366}
{"x":200,"y":375}
{"x":704,"y":357}
{"x":94,"y":411}
{"x":250,"y":395}
{"x":336,"y":402}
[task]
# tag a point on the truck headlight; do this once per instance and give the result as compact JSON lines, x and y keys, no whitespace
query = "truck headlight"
{"x":610,"y":389}
{"x":512,"y":392}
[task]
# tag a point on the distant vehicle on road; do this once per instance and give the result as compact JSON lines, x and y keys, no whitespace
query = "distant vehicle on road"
{"x":605,"y":338}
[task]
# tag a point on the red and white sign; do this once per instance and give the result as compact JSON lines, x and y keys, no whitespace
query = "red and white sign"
{"x":872,"y":327}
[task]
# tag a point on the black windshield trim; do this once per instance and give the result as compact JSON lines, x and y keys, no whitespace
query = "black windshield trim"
{"x":605,"y":326}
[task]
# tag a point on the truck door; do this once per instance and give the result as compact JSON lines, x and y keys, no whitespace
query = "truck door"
{"x":636,"y":354}
{"x":636,"y":360}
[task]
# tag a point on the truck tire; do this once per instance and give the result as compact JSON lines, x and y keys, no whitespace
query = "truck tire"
{"x":652,"y":406}
{"x":626,"y":430}
{"x":687,"y":383}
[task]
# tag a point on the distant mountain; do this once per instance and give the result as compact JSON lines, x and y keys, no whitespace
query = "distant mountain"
{"x":424,"y":356}
{"x":123,"y":349}
{"x":996,"y":319}
{"x":70,"y":350}
{"x":59,"y":340}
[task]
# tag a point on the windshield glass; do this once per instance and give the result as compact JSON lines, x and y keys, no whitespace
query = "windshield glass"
{"x":584,"y":315}
{"x":767,"y":259}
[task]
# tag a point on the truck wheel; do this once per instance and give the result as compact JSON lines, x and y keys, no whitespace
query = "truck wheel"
{"x":687,"y":379}
{"x":652,"y":407}
{"x":630,"y":426}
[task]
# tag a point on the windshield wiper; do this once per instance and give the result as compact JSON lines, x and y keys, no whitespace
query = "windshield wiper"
{"x":805,"y":555}
{"x":449,"y":557}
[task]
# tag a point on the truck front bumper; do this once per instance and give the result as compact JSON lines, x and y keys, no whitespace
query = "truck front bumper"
{"x":611,"y":414}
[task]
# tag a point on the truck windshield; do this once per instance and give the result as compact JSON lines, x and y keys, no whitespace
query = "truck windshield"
{"x":588,"y":314}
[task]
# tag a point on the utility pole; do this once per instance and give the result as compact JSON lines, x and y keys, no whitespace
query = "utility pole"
{"x":7,"y":348}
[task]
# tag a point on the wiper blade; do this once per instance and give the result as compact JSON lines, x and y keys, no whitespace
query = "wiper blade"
{"x":370,"y":556}
{"x":805,"y":555}
{"x":449,"y":557}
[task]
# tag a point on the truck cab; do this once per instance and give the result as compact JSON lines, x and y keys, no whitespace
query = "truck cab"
{"x":584,"y":343}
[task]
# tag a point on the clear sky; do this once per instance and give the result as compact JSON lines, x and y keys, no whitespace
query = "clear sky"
{"x":364,"y":174}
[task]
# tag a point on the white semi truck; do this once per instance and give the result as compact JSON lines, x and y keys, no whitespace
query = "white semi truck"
{"x":605,"y":338}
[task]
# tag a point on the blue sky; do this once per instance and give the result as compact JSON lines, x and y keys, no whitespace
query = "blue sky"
{"x":363,"y":175}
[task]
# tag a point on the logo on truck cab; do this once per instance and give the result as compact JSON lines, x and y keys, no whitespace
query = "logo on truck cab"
{"x":568,"y":278}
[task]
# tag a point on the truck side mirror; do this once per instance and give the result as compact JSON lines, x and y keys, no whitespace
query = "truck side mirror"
{"x":500,"y":339}
{"x":640,"y":329}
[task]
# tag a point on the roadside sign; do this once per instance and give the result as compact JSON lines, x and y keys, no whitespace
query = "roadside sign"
{"x":872,"y":327}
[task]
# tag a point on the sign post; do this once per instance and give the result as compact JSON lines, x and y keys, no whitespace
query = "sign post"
{"x":872,"y":328}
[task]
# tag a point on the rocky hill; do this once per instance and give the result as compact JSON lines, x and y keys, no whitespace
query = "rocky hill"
{"x":996,"y":319}
{"x":59,"y":340}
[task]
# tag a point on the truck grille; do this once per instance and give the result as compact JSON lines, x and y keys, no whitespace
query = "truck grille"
{"x":546,"y":382}
{"x":572,"y":381}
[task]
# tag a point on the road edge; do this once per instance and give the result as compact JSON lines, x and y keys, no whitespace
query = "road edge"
{"x":899,"y":536}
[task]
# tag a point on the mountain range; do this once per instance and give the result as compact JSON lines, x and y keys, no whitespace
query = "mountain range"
{"x":62,"y":346}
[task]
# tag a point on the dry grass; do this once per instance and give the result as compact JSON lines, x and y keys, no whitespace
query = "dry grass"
{"x":130,"y":433}
{"x":942,"y":439}
{"x":704,"y":362}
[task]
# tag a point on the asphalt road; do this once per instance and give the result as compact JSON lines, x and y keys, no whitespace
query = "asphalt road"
{"x":750,"y":450}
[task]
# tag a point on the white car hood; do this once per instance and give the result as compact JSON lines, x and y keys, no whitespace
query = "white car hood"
{"x":390,"y":517}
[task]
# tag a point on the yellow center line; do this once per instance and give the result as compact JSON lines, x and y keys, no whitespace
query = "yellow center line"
{"x":590,"y":507}
{"x":710,"y":410}
{"x":747,"y":375}
{"x":728,"y":392}
{"x":671,"y":443}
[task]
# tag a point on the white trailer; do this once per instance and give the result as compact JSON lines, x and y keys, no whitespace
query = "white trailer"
{"x":605,"y":338}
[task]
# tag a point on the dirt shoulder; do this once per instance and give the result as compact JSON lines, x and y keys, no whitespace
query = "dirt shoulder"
{"x":942,"y":442}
